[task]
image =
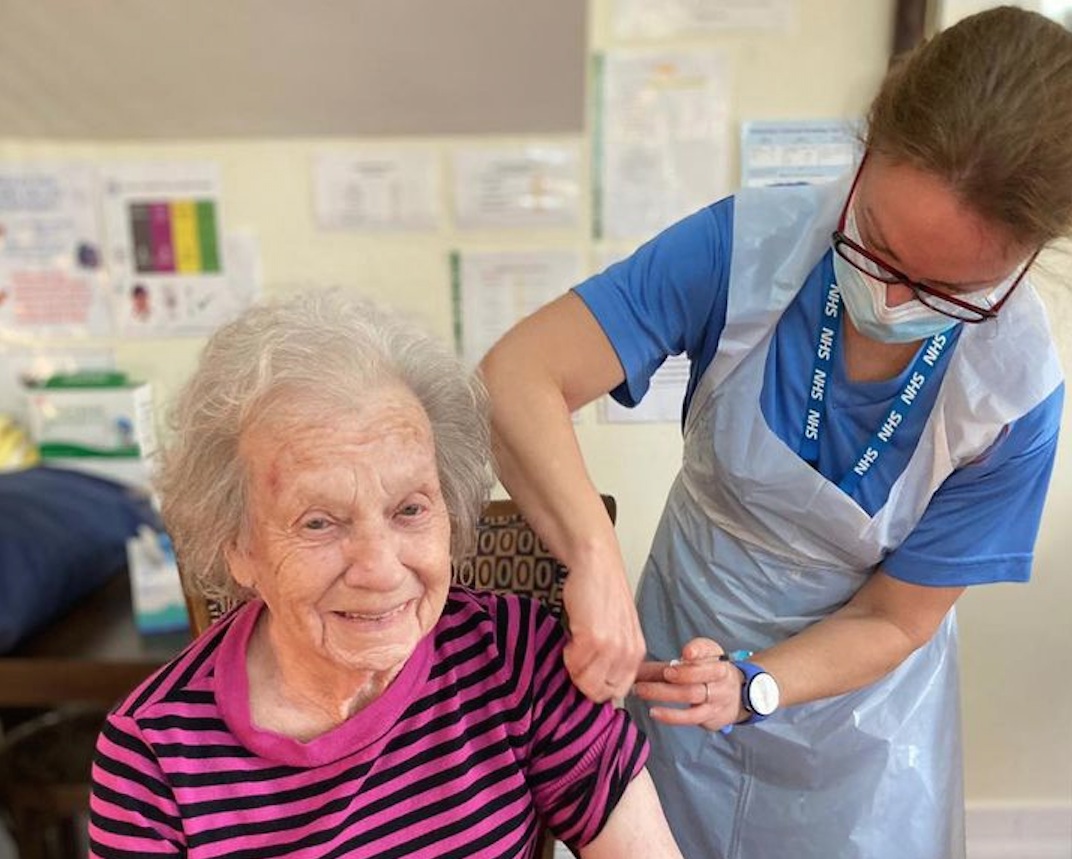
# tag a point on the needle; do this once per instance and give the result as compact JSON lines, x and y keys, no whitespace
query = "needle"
{"x":732,"y":656}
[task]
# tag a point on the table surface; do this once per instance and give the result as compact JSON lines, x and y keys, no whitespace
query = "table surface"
{"x":92,"y":654}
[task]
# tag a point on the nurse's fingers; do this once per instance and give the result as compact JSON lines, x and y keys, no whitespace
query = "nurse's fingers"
{"x":697,"y":683}
{"x":652,"y":671}
{"x":709,"y":670}
{"x":700,"y":689}
{"x":710,"y":716}
{"x":701,"y":648}
{"x":709,"y":705}
{"x":673,"y":693}
{"x":705,"y":670}
{"x":601,"y":671}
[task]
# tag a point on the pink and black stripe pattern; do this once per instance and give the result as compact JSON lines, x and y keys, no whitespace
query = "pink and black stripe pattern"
{"x":480,"y":735}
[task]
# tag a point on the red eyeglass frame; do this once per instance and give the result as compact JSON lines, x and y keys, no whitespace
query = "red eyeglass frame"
{"x":839,"y":238}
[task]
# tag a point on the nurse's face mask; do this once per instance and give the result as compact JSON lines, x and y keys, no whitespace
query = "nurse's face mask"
{"x":864,"y":280}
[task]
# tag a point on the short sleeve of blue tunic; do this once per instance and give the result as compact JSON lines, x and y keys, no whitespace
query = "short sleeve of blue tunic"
{"x":670,"y":297}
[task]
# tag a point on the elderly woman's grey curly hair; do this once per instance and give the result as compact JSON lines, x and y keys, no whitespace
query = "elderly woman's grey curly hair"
{"x":318,"y":349}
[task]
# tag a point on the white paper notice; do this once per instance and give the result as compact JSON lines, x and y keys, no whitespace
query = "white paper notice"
{"x":662,"y":139}
{"x":645,"y":19}
{"x":52,"y":279}
{"x":661,"y":404}
{"x":532,"y":187}
{"x":797,"y":152}
{"x":189,"y":306}
{"x":377,"y":190}
{"x":170,"y":265}
{"x":492,"y":291}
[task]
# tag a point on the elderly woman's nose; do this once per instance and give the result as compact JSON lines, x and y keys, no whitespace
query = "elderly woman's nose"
{"x":372,"y":557}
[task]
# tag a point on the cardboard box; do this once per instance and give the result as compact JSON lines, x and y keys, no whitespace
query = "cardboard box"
{"x":101,"y":423}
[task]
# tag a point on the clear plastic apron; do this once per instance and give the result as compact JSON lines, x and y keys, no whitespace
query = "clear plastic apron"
{"x":754,"y":545}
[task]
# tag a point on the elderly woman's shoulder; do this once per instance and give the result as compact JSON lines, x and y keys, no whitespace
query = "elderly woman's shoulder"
{"x":507,"y":618}
{"x":186,"y":679}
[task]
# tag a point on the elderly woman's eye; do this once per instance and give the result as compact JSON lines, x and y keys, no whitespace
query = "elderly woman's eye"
{"x":317,"y":523}
{"x":410,"y":510}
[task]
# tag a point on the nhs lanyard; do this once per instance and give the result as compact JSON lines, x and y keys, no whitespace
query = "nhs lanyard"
{"x":922,"y":370}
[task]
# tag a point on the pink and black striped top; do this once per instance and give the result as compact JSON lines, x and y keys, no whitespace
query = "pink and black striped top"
{"x":481,"y":732}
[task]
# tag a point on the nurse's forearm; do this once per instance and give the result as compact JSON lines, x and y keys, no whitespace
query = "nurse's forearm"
{"x":860,"y":643}
{"x":838,"y":655}
{"x":550,"y":364}
{"x":547,"y":366}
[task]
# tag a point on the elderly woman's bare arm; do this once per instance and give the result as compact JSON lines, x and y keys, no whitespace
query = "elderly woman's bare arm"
{"x":636,"y":827}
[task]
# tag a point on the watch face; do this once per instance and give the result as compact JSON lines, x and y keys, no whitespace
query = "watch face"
{"x":763,"y":694}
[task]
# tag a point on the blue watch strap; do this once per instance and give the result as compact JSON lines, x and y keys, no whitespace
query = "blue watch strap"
{"x":738,"y":658}
{"x":750,"y":670}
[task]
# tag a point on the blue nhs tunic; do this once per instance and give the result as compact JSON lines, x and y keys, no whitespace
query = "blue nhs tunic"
{"x":756,"y":544}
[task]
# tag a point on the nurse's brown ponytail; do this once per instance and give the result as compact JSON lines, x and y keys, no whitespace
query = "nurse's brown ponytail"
{"x":987,"y":106}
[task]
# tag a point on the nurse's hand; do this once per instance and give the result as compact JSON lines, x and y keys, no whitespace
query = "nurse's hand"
{"x":707,"y":692}
{"x":606,"y":645}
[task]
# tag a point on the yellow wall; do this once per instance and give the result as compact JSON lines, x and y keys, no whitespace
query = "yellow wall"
{"x":1017,"y":707}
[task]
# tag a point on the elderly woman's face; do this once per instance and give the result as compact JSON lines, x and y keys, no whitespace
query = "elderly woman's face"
{"x":349,"y":542}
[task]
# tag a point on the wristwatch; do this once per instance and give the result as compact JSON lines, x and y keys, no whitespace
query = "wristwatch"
{"x":759,"y":694}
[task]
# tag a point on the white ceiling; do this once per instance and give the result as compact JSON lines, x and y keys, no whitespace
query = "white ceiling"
{"x":155,"y":69}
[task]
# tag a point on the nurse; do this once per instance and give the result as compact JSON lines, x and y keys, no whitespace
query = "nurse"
{"x":869,"y":428}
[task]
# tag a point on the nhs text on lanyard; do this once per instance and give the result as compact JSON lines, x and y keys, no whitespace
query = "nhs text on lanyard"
{"x":922,"y":369}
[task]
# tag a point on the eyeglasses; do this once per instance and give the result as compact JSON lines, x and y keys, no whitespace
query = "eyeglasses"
{"x":943,"y":302}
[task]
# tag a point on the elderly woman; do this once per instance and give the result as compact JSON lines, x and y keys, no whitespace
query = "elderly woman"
{"x":328,"y":461}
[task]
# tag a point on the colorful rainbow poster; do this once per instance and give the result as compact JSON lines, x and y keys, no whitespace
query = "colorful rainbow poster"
{"x":174,"y":268}
{"x":175,"y":236}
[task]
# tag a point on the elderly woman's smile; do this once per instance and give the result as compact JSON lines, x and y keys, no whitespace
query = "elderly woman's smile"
{"x":382,"y":617}
{"x":349,"y":544}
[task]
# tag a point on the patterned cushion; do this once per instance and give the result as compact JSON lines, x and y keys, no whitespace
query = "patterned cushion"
{"x":217,"y":608}
{"x":510,"y":558}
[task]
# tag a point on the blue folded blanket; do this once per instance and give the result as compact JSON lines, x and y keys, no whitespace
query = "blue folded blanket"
{"x":62,"y":535}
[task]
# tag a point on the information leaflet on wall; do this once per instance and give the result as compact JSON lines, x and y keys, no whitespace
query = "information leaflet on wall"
{"x":662,"y":402}
{"x":661,"y":138}
{"x":797,"y":152}
{"x":493,"y":290}
{"x":643,"y":19}
{"x":52,"y":276}
{"x":532,"y":187}
{"x":377,"y":191}
{"x":170,"y":266}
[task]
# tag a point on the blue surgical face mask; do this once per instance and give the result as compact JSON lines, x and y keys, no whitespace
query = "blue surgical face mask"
{"x":865,"y":301}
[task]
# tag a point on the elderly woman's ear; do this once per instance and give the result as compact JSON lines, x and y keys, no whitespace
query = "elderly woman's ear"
{"x":238,"y":564}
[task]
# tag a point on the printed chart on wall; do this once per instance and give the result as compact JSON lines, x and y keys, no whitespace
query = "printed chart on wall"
{"x":52,"y":279}
{"x":172,"y":268}
{"x":532,"y":187}
{"x":493,"y":290}
{"x":797,"y":152}
{"x":643,"y":19}
{"x":661,"y":139}
{"x":376,"y":191}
